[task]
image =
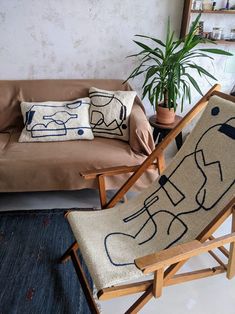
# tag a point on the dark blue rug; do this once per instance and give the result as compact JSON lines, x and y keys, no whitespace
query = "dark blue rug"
{"x":31,"y":279}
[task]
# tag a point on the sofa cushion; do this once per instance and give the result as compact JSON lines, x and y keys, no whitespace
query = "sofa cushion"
{"x":110,"y":111}
{"x":48,"y":166}
{"x":56,"y":121}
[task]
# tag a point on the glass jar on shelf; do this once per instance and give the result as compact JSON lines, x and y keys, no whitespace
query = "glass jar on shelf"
{"x":232,"y":34}
{"x":207,"y":5}
{"x":197,"y":5}
{"x":217,"y":33}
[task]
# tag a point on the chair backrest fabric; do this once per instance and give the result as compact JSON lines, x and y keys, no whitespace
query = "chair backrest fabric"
{"x":194,"y":188}
{"x":204,"y":172}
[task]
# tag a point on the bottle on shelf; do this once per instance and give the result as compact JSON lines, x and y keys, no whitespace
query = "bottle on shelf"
{"x":201,"y":29}
{"x":227,"y":5}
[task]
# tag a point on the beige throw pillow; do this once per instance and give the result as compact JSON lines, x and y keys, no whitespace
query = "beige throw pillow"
{"x":110,"y":111}
{"x":56,"y":121}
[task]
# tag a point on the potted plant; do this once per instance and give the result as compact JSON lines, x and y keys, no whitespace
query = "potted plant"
{"x":167,"y":68}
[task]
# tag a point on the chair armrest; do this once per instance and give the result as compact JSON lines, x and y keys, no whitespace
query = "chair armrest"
{"x":92,"y":174}
{"x":100,"y":174}
{"x":181,"y":252}
{"x":140,"y":137}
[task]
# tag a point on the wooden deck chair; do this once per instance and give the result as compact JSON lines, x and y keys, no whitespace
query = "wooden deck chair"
{"x":158,"y":231}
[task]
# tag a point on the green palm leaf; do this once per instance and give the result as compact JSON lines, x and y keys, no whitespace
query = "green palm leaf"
{"x":217,"y":51}
{"x":167,"y":66}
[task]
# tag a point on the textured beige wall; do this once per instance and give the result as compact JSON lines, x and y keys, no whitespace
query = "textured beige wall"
{"x":82,"y":38}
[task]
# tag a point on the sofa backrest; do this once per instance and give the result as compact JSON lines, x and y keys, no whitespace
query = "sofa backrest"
{"x":13,"y":92}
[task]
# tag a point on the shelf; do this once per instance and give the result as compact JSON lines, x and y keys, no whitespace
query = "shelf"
{"x":187,"y":13}
{"x":225,"y":42}
{"x":214,"y":12}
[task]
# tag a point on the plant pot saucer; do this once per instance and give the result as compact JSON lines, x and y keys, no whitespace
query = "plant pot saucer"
{"x":154,"y":123}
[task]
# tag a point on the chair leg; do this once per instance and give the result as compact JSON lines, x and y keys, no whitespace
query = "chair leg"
{"x":158,"y":283}
{"x":138,"y":305}
{"x":67,"y":255}
{"x":84,"y":283}
{"x":231,"y":261}
{"x":102,"y":191}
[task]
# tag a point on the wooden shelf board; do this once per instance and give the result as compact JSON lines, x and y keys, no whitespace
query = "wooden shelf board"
{"x":220,"y":42}
{"x":214,"y":12}
{"x":225,"y":42}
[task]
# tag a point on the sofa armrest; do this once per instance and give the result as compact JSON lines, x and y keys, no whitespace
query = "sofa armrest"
{"x":141,"y":138}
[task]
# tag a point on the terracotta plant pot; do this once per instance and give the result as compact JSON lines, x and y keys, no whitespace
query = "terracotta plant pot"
{"x":164,"y":115}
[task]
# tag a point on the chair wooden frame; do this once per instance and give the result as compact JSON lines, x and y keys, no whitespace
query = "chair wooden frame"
{"x":164,"y":264}
{"x":100,"y":175}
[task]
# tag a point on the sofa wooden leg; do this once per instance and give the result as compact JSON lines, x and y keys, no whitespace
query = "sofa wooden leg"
{"x":102,"y":191}
{"x":67,"y":255}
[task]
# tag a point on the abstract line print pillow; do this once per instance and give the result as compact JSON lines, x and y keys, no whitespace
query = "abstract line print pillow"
{"x":110,"y":111}
{"x":56,"y":121}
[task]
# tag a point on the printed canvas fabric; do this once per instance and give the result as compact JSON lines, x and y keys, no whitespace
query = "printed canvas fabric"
{"x":56,"y":121}
{"x":175,"y":209}
{"x":110,"y":111}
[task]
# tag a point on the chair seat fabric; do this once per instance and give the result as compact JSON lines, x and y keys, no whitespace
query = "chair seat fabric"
{"x":175,"y":209}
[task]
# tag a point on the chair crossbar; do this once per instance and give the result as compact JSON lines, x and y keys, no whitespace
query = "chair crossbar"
{"x":218,"y":260}
{"x":221,"y":248}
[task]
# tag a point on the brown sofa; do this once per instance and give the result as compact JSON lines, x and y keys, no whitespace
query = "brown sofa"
{"x":57,"y":165}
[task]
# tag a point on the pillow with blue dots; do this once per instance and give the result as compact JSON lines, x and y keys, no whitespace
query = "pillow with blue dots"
{"x":56,"y":121}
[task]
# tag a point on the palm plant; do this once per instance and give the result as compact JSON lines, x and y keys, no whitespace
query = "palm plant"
{"x":167,"y":66}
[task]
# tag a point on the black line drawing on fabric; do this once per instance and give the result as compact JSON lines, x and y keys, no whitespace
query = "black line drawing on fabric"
{"x":75,"y":104}
{"x":209,"y":169}
{"x":41,"y":124}
{"x":60,"y":117}
{"x":107,"y":124}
